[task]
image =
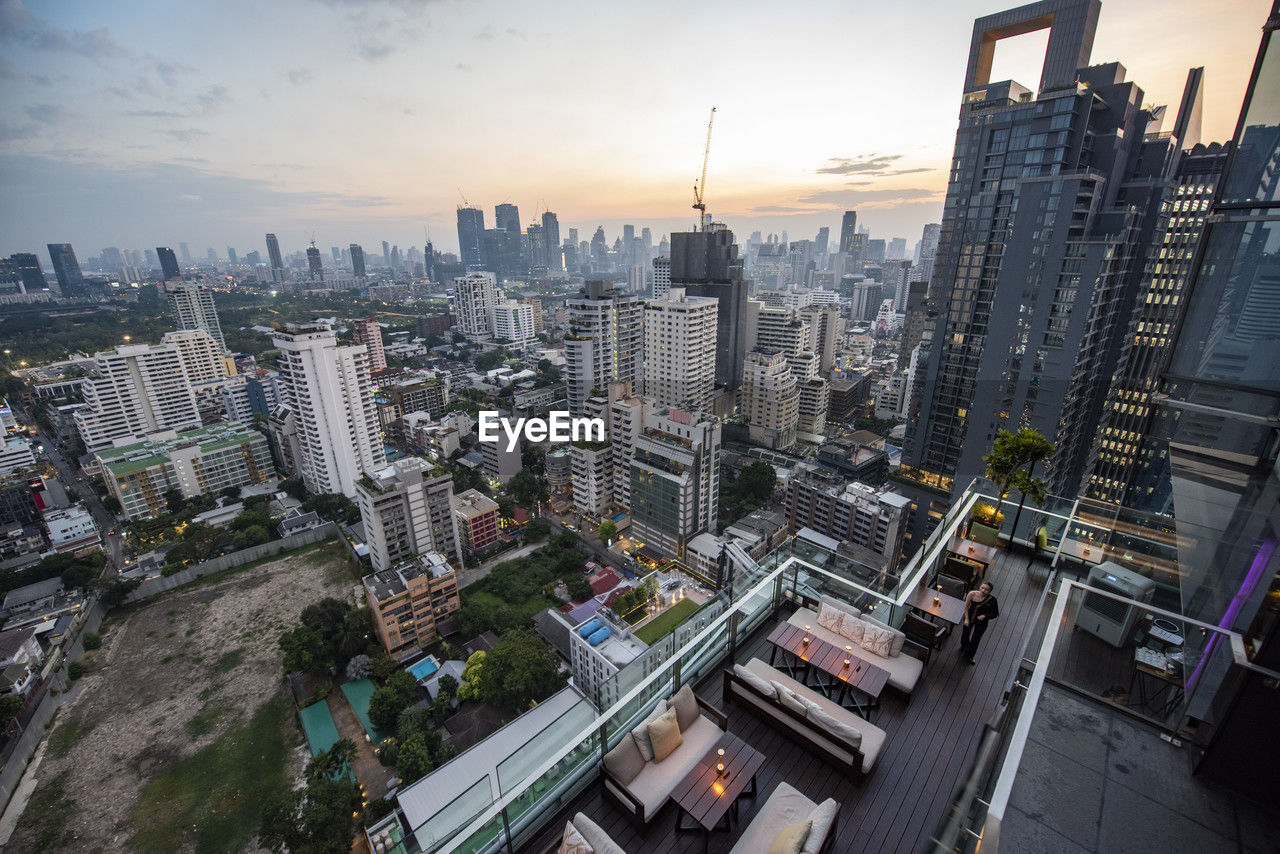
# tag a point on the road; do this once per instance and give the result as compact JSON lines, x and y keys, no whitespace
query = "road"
{"x":72,"y":478}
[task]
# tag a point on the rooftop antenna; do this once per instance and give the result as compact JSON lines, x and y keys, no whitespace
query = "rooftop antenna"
{"x":700,"y":186}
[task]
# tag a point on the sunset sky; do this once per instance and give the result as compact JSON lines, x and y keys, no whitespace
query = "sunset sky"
{"x":145,"y":123}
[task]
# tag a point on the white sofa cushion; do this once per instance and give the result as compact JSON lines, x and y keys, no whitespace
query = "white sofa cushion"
{"x":873,"y":738}
{"x":599,"y":840}
{"x":835,"y":726}
{"x":655,"y":782}
{"x":786,"y":806}
{"x":853,"y":630}
{"x":904,"y":671}
{"x":789,"y":699}
{"x":823,"y":817}
{"x":761,"y":685}
{"x":895,"y":646}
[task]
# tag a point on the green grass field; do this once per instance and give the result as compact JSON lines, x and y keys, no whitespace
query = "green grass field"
{"x":666,"y":622}
{"x":211,"y":802}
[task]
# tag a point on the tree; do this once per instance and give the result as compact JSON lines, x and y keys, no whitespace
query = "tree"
{"x":756,"y":483}
{"x":304,"y":650}
{"x":118,"y":590}
{"x":1009,"y":454}
{"x":489,"y":360}
{"x":536,"y":529}
{"x":173,"y":501}
{"x":520,"y":670}
{"x":579,"y":589}
{"x":447,"y":686}
{"x":470,"y":687}
{"x":91,"y":641}
{"x":534,"y":459}
{"x":359,"y":668}
{"x":414,"y":760}
{"x":319,"y":818}
{"x":250,"y":518}
{"x":385,"y":707}
{"x":78,"y":576}
{"x":608,"y":531}
{"x":251,"y":536}
{"x":231,"y":493}
{"x":9,"y":707}
{"x":111,"y":504}
{"x":335,"y":506}
{"x":526,"y":487}
{"x":403,"y":683}
{"x":295,"y":488}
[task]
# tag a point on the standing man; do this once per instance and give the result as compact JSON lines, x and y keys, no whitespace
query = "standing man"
{"x":980,"y":608}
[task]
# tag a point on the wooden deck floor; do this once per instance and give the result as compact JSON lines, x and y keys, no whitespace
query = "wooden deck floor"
{"x":930,"y":744}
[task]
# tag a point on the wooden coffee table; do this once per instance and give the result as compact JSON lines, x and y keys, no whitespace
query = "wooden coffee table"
{"x":706,"y":797}
{"x":861,"y":675}
{"x":949,"y":608}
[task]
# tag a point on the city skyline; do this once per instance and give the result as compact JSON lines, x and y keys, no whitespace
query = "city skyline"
{"x":301,"y":125}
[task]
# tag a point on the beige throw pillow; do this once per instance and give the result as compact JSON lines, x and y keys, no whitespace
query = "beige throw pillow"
{"x":625,"y":761}
{"x":641,"y":732}
{"x":853,"y":629}
{"x":791,"y":839}
{"x":829,"y":618}
{"x":573,"y":841}
{"x":877,"y":641}
{"x":665,"y":735}
{"x":686,"y":706}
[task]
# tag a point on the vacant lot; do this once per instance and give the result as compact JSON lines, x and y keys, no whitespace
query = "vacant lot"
{"x":180,"y":726}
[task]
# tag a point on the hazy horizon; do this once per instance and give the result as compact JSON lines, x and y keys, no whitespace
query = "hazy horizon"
{"x":369,"y":120}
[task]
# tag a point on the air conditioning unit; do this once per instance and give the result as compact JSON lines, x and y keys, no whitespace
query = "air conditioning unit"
{"x":1107,"y":618}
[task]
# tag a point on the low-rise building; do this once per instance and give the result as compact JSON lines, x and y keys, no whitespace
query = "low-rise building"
{"x":409,"y":600}
{"x":477,"y":518}
{"x":15,"y":455}
{"x":19,"y":660}
{"x":598,"y":649}
{"x":72,"y":530}
{"x":194,"y":462}
{"x":869,"y":517}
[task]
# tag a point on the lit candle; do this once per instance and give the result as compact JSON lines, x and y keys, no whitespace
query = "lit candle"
{"x":806,"y":635}
{"x":720,"y":764}
{"x":847,"y":651}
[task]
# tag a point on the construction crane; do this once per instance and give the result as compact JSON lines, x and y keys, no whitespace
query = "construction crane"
{"x":700,"y":186}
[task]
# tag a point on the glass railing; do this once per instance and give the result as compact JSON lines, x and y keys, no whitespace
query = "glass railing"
{"x":1175,"y":673}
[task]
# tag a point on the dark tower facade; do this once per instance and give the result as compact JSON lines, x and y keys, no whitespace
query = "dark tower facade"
{"x":551,"y":240}
{"x":315,"y":263}
{"x":1053,"y":201}
{"x":848,"y":230}
{"x":705,"y":264}
{"x":507,"y":217}
{"x":273,"y":255}
{"x":357,"y":260}
{"x":67,"y":269}
{"x":471,"y":237}
{"x":168,"y":263}
{"x":27,"y":267}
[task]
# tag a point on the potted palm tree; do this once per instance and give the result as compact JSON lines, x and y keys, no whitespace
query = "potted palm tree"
{"x":1010,"y":465}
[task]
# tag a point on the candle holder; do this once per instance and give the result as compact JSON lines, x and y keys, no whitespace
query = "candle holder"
{"x":847,"y":651}
{"x":806,"y":635}
{"x":970,"y":549}
{"x":720,"y":764}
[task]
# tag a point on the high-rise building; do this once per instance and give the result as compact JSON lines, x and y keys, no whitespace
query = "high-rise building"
{"x":328,"y":389}
{"x":232,"y":257}
{"x":593,"y":478}
{"x":826,"y":332}
{"x":820,"y":243}
{"x":203,"y":358}
{"x":357,"y":260}
{"x":67,"y":269}
{"x":869,"y":517}
{"x":471,"y":237}
{"x":769,"y":399}
{"x":1040,"y":252}
{"x":185,"y":251}
{"x":168,"y":263}
{"x":680,"y":350}
{"x":705,"y":264}
{"x":551,"y":242}
{"x":193,"y":308}
{"x":407,"y":601}
{"x":274,"y":256}
{"x":896,"y":250}
{"x":848,"y":229}
{"x":1153,"y":328}
{"x":315,"y":264}
{"x":512,"y":321}
{"x":134,"y":391}
{"x":26,"y":266}
{"x":675,"y":480}
{"x":386,"y":254}
{"x":661,"y":277}
{"x":477,"y":516}
{"x":407,"y":510}
{"x":506,"y":216}
{"x":369,"y":333}
{"x":876,"y":251}
{"x":626,"y":416}
{"x":605,"y":343}
{"x":474,"y":296}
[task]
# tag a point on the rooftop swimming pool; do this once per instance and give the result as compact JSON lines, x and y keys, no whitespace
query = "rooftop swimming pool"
{"x":424,"y":669}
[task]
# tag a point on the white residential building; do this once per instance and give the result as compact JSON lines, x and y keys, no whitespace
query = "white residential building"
{"x":680,"y":350}
{"x":604,"y":344}
{"x":661,"y":277}
{"x":15,"y":454}
{"x":133,"y":391}
{"x":407,"y":509}
{"x":592,"y":478}
{"x":513,"y":321}
{"x":626,"y":422}
{"x":331,"y":395}
{"x":769,"y":399}
{"x":72,"y":529}
{"x":473,"y":296}
{"x":193,"y":308}
{"x":202,"y":355}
